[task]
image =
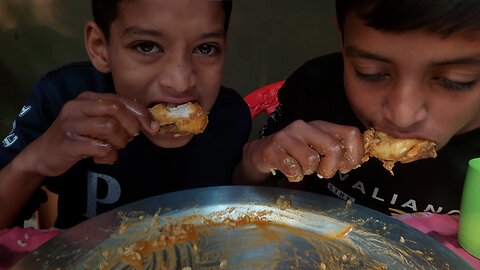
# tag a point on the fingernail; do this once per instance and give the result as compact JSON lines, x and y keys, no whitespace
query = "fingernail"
{"x":308,"y":171}
{"x":273,"y":171}
{"x":295,"y":178}
{"x":154,"y":125}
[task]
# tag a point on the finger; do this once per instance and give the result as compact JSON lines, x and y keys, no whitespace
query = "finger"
{"x":113,"y":109}
{"x":331,"y":156}
{"x":353,"y":150}
{"x":311,"y":145}
{"x":278,"y":159}
{"x":351,"y":144}
{"x":141,"y":114}
{"x":84,"y":147}
{"x":295,"y":146}
{"x":106,"y":129}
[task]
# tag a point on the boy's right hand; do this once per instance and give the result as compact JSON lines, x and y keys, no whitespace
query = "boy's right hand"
{"x":304,"y":148}
{"x":92,"y":125}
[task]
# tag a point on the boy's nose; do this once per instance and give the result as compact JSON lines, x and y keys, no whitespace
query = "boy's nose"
{"x":178,"y":73}
{"x":406,"y":105}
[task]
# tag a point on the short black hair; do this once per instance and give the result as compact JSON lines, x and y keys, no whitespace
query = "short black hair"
{"x":105,"y":11}
{"x":443,"y":17}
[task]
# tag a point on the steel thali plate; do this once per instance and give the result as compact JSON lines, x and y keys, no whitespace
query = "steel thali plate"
{"x":240,"y":227}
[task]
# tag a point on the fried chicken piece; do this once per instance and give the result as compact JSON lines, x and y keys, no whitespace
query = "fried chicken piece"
{"x":390,"y":150}
{"x":188,"y":118}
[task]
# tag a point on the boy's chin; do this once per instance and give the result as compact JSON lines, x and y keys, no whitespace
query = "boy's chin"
{"x":170,"y":140}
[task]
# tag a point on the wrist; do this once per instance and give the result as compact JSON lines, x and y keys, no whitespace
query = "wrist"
{"x":23,"y":167}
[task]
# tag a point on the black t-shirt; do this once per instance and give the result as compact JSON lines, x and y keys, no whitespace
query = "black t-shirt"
{"x":315,"y":92}
{"x":142,"y":169}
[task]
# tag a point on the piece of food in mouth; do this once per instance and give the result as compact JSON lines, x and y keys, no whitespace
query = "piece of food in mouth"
{"x":183,"y":119}
{"x":389,"y":149}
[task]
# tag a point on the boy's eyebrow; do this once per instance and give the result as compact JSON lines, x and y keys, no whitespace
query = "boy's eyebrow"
{"x":353,"y":51}
{"x":464,"y":60}
{"x":134,"y":30}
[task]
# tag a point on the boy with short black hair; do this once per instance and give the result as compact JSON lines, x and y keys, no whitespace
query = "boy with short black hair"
{"x":86,"y":133}
{"x":408,"y":68}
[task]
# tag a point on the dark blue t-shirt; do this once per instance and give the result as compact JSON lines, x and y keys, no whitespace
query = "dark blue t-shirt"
{"x":142,"y":169}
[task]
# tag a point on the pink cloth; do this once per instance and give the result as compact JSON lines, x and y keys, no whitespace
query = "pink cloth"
{"x":17,"y":242}
{"x":442,"y":228}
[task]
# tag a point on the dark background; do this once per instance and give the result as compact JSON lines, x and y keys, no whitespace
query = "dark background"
{"x":268,"y":40}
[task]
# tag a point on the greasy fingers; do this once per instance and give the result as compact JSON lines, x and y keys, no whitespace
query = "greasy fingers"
{"x":90,"y":147}
{"x":92,"y":125}
{"x":133,"y":116}
{"x":330,"y":158}
{"x":345,"y":145}
{"x":113,"y":110}
{"x":277,"y":159}
{"x":299,"y":159}
{"x":303,"y":148}
{"x":353,"y":149}
{"x":142,"y":114}
{"x":105,"y":129}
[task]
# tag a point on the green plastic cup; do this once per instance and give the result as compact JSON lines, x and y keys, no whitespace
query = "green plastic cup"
{"x":469,"y":224}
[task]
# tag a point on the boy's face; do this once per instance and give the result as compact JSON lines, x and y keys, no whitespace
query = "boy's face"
{"x":168,"y":51}
{"x":416,"y":84}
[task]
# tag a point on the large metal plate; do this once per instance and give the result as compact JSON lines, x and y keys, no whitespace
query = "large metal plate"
{"x":287,"y":229}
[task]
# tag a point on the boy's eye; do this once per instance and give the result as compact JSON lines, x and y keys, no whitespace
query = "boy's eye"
{"x":206,"y":49}
{"x":371,"y":77}
{"x":147,"y":48}
{"x":456,"y":85}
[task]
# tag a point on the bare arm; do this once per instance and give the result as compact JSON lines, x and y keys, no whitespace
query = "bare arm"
{"x":17,"y":185}
{"x":92,"y":125}
{"x":301,"y":149}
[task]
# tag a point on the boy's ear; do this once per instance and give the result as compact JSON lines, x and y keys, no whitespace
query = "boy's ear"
{"x":96,"y":46}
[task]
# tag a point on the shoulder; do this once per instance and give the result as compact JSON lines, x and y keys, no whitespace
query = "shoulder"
{"x":325,"y":66}
{"x":330,"y":61}
{"x":229,"y":100}
{"x":324,"y":71}
{"x":230,"y":111}
{"x":317,"y":80}
{"x":75,"y":78}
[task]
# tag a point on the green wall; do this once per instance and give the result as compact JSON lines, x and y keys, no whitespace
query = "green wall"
{"x":268,"y":40}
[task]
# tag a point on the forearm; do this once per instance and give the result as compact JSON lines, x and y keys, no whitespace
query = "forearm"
{"x":17,"y":184}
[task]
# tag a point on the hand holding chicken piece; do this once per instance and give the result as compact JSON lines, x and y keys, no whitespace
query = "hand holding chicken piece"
{"x":303,"y":148}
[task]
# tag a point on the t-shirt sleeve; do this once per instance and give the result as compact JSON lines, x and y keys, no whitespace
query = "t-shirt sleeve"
{"x":31,"y":121}
{"x":288,"y":96}
{"x":314,"y":91}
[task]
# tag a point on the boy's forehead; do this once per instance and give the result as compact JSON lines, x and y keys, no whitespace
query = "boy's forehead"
{"x":167,"y":15}
{"x":421,"y":45}
{"x":208,"y":9}
{"x":177,"y":5}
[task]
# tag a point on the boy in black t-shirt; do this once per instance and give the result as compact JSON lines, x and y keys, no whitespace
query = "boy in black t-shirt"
{"x":408,"y":68}
{"x":86,"y":134}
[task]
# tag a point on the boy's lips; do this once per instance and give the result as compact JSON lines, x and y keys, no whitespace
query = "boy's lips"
{"x":403,"y":134}
{"x":171,"y":102}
